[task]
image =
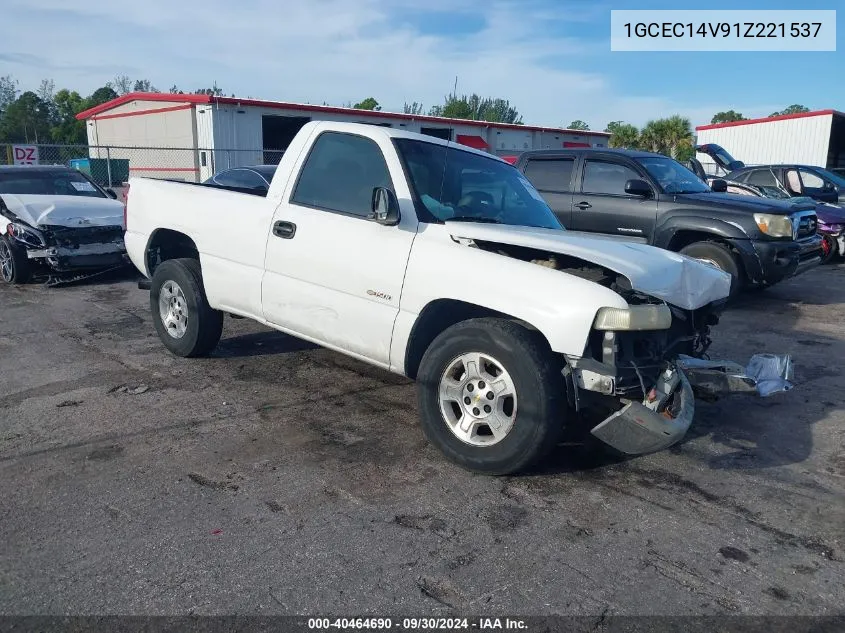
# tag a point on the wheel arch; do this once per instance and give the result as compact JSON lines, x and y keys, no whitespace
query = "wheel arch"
{"x":440,"y":314}
{"x":165,"y":244}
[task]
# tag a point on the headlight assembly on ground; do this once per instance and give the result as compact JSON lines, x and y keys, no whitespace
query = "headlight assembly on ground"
{"x":649,"y":317}
{"x":774,"y":225}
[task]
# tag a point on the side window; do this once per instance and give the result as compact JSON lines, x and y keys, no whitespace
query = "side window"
{"x":744,"y":177}
{"x":762,"y":178}
{"x":550,"y":174}
{"x":603,"y":177}
{"x":811,"y":181}
{"x":340,"y":173}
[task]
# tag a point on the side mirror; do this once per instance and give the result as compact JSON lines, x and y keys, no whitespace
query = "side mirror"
{"x":111,"y":194}
{"x":637,"y":187}
{"x":385,"y":207}
{"x":718,"y":185}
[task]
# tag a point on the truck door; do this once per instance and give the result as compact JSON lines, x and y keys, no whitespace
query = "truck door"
{"x":552,"y":177}
{"x":331,"y":274}
{"x":601,"y":205}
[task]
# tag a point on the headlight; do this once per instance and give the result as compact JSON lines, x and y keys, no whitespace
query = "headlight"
{"x":24,"y":234}
{"x":634,"y":318}
{"x":774,"y":225}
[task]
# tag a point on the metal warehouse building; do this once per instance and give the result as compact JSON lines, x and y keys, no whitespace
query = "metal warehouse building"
{"x":215,"y":133}
{"x":808,"y":138}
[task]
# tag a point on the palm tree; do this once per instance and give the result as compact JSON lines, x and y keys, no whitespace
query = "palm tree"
{"x":653,"y":136}
{"x":678,"y":135}
{"x":623,"y":135}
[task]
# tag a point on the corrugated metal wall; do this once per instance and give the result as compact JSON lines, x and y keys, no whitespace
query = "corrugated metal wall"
{"x":801,"y":140}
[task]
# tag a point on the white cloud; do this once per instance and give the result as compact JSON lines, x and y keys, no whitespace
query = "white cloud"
{"x":331,"y":50}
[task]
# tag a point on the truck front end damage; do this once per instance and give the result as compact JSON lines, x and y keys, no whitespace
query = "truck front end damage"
{"x":644,"y":367}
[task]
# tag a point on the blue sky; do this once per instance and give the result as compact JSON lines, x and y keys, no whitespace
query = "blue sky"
{"x":550,"y":58}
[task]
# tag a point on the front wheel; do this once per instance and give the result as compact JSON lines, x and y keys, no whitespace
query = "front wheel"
{"x":717,"y":255}
{"x":14,"y":265}
{"x":184,"y":321}
{"x":491,"y":397}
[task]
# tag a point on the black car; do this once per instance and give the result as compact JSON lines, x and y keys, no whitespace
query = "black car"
{"x":809,"y":181}
{"x":654,"y":199}
{"x":256,"y":178}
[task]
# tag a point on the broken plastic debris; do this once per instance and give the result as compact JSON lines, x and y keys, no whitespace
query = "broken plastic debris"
{"x":765,"y":373}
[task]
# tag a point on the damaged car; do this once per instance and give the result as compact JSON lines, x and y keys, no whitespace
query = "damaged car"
{"x":443,"y":264}
{"x":56,"y":224}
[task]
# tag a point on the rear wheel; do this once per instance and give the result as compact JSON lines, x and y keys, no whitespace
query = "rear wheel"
{"x":490,"y":396}
{"x":14,"y":265}
{"x":717,"y":255}
{"x":184,"y":321}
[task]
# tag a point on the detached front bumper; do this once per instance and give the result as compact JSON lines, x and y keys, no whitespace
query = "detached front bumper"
{"x":665,"y":414}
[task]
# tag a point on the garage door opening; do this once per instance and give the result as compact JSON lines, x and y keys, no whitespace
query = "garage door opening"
{"x":277,"y":133}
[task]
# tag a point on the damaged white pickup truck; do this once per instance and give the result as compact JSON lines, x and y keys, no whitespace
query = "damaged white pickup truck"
{"x":443,"y":264}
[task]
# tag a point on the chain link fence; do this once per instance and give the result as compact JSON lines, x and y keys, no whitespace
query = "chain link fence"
{"x":111,"y":165}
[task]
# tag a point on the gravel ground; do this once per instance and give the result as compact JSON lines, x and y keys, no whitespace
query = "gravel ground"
{"x":277,"y":477}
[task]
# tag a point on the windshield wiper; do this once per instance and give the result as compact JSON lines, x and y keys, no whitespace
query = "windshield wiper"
{"x":470,"y":218}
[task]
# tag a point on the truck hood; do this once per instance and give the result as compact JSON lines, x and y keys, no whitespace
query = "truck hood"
{"x":65,"y":211}
{"x":752,"y":204}
{"x":674,"y":278}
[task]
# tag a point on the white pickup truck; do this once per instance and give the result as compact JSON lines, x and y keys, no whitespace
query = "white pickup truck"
{"x":443,"y":264}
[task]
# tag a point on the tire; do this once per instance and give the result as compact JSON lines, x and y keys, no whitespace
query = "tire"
{"x":193,"y":327}
{"x":830,"y":248}
{"x":14,"y":265}
{"x":536,"y":410}
{"x":720,"y":256}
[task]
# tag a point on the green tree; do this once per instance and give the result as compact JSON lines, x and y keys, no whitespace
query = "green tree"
{"x":795,"y":108}
{"x":679,"y":138}
{"x":623,"y":135}
{"x":26,"y":120}
{"x":578,"y":124}
{"x":67,"y":129}
{"x":367,"y":104}
{"x":477,"y":108}
{"x":214,"y":91}
{"x":174,"y":90}
{"x":144,"y":85}
{"x":100,"y":96}
{"x":412,"y":108}
{"x":727,"y":117}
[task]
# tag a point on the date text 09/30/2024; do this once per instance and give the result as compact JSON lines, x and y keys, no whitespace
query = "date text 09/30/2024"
{"x":417,"y":624}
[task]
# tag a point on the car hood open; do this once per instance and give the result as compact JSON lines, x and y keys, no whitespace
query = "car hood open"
{"x":674,"y":278}
{"x":64,"y":211}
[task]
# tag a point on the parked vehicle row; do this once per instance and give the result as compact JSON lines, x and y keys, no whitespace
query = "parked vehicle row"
{"x":653,"y":199}
{"x":445,"y":264}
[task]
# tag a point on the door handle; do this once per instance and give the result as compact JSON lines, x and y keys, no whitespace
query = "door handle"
{"x":284,"y":230}
{"x":583,"y":205}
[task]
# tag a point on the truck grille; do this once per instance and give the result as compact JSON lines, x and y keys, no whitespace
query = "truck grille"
{"x":806,"y":226}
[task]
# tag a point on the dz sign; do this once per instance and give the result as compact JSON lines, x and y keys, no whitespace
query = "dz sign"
{"x":25,"y":154}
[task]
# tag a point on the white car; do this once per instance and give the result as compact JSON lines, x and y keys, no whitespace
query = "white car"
{"x":56,"y":222}
{"x":443,"y":264}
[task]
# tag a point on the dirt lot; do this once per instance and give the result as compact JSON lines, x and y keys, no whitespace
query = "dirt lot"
{"x":281,"y":478}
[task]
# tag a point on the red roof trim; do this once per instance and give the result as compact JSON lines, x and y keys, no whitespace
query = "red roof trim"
{"x":120,"y":115}
{"x":206,"y":99}
{"x":143,"y":96}
{"x":780,"y":117}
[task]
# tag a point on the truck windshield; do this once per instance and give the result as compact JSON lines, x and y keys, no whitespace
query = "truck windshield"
{"x":48,"y":182}
{"x":453,"y":184}
{"x":672,"y":176}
